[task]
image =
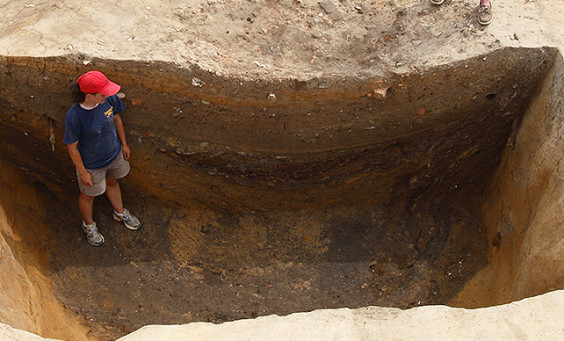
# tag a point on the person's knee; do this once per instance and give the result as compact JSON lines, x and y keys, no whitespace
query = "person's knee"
{"x":86,"y":197}
{"x":110,"y":182}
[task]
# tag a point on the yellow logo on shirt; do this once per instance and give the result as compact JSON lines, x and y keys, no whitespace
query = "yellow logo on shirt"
{"x":109,"y":112}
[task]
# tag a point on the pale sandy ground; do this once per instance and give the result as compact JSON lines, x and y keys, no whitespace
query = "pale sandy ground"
{"x":538,"y":318}
{"x":43,"y":28}
{"x":248,"y":38}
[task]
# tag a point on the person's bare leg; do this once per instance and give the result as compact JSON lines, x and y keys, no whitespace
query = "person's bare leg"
{"x":113,"y":192}
{"x":85,"y":204}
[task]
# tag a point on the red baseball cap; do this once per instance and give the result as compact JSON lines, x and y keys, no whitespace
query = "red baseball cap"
{"x":95,"y":82}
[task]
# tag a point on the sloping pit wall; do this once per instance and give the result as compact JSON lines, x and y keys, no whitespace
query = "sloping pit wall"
{"x":28,"y":299}
{"x":524,"y":207}
{"x":421,"y":147}
{"x":212,"y":139}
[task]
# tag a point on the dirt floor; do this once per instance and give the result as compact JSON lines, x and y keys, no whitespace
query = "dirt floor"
{"x":190,"y":264}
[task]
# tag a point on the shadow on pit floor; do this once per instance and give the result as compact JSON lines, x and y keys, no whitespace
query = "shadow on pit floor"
{"x":191,"y":264}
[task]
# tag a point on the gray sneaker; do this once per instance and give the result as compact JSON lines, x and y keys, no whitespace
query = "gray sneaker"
{"x":130,"y":221}
{"x":94,"y":237}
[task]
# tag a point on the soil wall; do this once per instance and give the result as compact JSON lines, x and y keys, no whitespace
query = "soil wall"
{"x":523,"y":210}
{"x":28,"y":300}
{"x":284,"y":144}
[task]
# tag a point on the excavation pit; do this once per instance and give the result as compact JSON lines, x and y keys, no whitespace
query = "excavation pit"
{"x":273,"y":197}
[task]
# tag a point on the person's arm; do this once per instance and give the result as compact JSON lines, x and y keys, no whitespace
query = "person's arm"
{"x":85,"y":176}
{"x":121,"y":134}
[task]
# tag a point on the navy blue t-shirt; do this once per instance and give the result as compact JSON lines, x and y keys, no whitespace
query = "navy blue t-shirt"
{"x":95,"y":132}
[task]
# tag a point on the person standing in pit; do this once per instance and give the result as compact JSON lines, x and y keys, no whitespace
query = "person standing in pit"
{"x":95,"y":138}
{"x":484,"y":11}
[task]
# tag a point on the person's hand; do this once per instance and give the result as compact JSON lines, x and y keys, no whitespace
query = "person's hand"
{"x":126,"y":152}
{"x":86,"y":179}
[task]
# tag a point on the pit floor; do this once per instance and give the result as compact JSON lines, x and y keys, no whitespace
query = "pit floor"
{"x":187,"y":264}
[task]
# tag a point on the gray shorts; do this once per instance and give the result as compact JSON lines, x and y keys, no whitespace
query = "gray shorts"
{"x":118,"y":169}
